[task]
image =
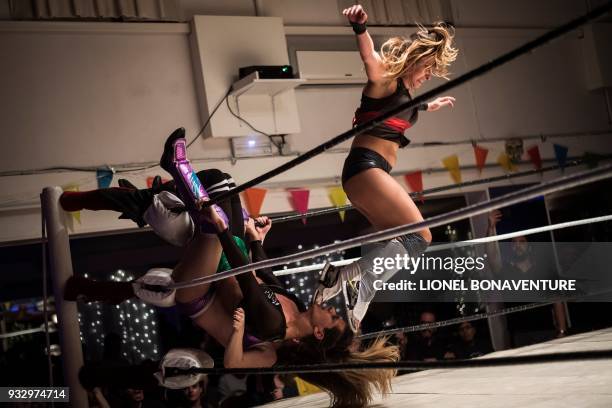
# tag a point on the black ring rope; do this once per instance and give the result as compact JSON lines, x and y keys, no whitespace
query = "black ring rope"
{"x":479,"y":316}
{"x":412,"y":366}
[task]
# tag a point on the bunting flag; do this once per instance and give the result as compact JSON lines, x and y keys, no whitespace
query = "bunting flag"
{"x":299,"y":201}
{"x":414,"y":181}
{"x":338,"y":198}
{"x":592,"y":159}
{"x":104,"y":177}
{"x":534,"y":155}
{"x":452,"y":165}
{"x":150,"y":181}
{"x":560,"y":155}
{"x":73,"y":215}
{"x":504,"y":161}
{"x":254,"y":198}
{"x":480,"y":154}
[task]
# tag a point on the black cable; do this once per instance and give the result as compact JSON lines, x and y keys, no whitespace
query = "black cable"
{"x":248,"y":124}
{"x":413,"y":366}
{"x":359,"y":129}
{"x":210,"y":117}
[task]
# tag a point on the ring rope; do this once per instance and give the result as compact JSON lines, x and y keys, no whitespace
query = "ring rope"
{"x":401,"y":365}
{"x":497,"y":62}
{"x":450,"y":245}
{"x":26,"y":332}
{"x":561,"y":183}
{"x":458,"y":320}
{"x":509,"y":176}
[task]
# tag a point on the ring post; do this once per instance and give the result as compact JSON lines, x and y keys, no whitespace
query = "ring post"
{"x":60,"y":263}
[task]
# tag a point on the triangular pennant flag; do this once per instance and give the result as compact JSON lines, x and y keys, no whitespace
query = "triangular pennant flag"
{"x":254,"y":198}
{"x":299,"y":201}
{"x":452,"y":165}
{"x":504,"y":161}
{"x":560,"y":155}
{"x":338,"y":198}
{"x":104,"y":177}
{"x":592,"y":159}
{"x":480,"y":154}
{"x":534,"y":155}
{"x":77,"y":216}
{"x":74,"y":215}
{"x":414,"y":181}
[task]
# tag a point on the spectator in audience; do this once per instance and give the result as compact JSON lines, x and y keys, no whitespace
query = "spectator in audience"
{"x":262,"y":389}
{"x":231,"y":385}
{"x":97,"y":399}
{"x":426,"y":346}
{"x":135,"y":398}
{"x":524,"y":265}
{"x":401,"y":339}
{"x":195,"y":395}
{"x":469,"y":345}
{"x":284,"y":387}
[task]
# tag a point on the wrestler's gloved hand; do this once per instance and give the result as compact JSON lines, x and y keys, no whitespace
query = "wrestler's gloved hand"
{"x":151,"y":287}
{"x":169,"y":219}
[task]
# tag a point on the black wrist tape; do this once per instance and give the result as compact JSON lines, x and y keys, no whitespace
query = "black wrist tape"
{"x":359,"y":28}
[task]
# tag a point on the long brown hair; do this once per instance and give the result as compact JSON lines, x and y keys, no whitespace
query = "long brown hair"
{"x":400,"y":55}
{"x":348,"y":388}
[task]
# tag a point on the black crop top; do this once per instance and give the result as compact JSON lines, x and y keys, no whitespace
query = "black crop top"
{"x":394,"y":127}
{"x":264,"y":317}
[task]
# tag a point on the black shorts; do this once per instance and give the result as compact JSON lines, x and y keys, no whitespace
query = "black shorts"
{"x":360,"y":159}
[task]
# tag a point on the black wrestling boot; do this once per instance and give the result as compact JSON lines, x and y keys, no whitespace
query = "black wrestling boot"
{"x":124,"y":183}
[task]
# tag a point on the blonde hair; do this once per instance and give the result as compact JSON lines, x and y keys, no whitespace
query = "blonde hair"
{"x":348,"y":388}
{"x":400,"y":55}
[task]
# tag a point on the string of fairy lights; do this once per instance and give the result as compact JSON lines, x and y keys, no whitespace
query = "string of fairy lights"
{"x":133,"y":320}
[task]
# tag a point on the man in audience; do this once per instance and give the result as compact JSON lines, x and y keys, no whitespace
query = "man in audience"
{"x":469,"y":344}
{"x":426,"y":346}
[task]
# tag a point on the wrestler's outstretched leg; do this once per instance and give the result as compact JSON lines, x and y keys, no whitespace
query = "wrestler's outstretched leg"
{"x":132,"y":203}
{"x":188,"y":186}
{"x":385,"y":204}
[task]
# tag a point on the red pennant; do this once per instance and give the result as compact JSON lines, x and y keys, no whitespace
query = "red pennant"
{"x":534,"y":155}
{"x":415,"y":182}
{"x":299,"y":201}
{"x":480,"y":153}
{"x":150,"y":181}
{"x":253,"y":198}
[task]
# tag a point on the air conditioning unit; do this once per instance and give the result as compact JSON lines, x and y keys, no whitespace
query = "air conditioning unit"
{"x":331,"y":67}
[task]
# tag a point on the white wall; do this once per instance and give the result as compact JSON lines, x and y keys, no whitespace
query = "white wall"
{"x":90,"y":94}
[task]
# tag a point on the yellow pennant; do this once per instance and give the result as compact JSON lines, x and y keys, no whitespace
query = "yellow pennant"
{"x":74,"y":215}
{"x":452,"y":165}
{"x":338,"y":198}
{"x":504,"y":161}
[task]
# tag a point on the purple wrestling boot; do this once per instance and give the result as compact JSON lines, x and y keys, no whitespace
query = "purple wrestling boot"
{"x":188,"y":185}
